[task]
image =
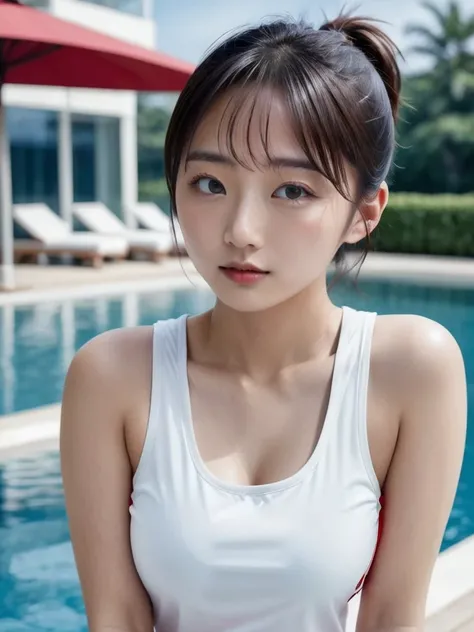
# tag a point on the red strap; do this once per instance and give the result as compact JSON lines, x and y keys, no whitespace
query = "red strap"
{"x":379,"y":535}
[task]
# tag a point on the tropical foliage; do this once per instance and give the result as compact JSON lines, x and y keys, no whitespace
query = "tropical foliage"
{"x":436,"y":134}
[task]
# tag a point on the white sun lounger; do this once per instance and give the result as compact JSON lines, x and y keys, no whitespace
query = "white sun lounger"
{"x":150,"y":216}
{"x":51,"y":235}
{"x":95,"y":216}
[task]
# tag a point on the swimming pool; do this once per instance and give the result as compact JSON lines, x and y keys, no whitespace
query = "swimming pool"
{"x":39,"y":590}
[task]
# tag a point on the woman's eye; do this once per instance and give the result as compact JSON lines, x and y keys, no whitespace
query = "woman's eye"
{"x":291,"y":192}
{"x":210,"y":186}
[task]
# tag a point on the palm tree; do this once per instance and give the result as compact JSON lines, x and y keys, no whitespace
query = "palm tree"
{"x":437,"y":134}
{"x":448,"y":45}
{"x":452,"y":37}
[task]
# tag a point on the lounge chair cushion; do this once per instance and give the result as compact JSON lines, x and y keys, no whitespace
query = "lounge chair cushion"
{"x":107,"y":247}
{"x":152,"y":217}
{"x":98,"y":218}
{"x":54,"y":233}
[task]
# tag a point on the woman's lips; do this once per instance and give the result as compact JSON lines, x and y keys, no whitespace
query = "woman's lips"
{"x":242,"y":275}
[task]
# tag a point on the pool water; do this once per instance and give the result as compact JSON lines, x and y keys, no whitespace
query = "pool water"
{"x":39,"y":589}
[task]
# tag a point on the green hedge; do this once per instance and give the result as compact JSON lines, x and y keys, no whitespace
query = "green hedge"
{"x":427,"y":224}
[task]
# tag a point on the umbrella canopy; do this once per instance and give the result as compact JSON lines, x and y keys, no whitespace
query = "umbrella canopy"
{"x":37,"y":48}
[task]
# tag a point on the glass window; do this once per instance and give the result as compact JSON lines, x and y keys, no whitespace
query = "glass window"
{"x":83,"y":160}
{"x":134,"y":7}
{"x":96,"y":160}
{"x":39,"y":4}
{"x":33,"y":136}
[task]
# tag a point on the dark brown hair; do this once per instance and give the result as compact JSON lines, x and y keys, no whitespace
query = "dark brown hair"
{"x":341,"y":84}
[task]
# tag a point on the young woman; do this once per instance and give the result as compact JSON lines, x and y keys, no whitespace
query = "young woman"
{"x":256,"y":440}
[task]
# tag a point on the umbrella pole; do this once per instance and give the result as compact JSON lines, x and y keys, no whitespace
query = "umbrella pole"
{"x":7,"y":270}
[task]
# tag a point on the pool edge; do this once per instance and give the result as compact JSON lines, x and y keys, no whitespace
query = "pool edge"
{"x":28,"y":430}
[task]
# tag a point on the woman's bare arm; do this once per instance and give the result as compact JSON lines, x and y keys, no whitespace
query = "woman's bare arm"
{"x":97,"y":483}
{"x":428,"y":375}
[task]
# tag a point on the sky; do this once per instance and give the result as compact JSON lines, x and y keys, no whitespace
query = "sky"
{"x":186,"y":28}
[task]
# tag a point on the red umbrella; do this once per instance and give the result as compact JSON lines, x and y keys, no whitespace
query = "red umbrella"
{"x":39,"y":49}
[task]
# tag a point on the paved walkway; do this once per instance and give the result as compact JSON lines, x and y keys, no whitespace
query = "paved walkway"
{"x":46,"y":277}
{"x":434,"y":270}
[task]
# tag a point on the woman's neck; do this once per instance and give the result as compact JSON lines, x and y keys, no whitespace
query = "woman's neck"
{"x":262,"y":344}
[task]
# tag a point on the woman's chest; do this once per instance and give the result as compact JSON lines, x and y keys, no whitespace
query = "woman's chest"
{"x":300,"y":545}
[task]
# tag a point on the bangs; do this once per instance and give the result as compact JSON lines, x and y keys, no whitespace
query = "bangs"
{"x":335,"y":102}
{"x":323,"y":138}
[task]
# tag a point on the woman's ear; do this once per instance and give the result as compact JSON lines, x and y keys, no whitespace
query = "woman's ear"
{"x":367,"y":216}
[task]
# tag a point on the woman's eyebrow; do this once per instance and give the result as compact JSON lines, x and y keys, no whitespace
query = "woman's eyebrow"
{"x":277,"y":162}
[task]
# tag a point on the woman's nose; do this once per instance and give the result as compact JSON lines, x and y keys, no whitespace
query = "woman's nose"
{"x":245,"y":227}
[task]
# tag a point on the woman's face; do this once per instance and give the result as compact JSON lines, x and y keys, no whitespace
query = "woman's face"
{"x":278,"y":215}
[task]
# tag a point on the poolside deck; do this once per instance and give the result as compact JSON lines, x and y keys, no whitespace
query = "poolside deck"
{"x":46,"y":277}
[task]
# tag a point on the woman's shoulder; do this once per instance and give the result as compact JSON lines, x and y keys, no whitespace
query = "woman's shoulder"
{"x":412,"y":355}
{"x":408,"y":338}
{"x":112,"y":364}
{"x":116,"y":349}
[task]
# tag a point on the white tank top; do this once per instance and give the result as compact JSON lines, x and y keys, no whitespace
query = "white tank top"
{"x":288,"y":555}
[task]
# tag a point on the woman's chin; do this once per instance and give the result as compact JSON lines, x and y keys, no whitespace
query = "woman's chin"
{"x":245,"y":299}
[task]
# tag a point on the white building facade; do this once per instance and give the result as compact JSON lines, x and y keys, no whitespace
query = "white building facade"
{"x":71,"y":145}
